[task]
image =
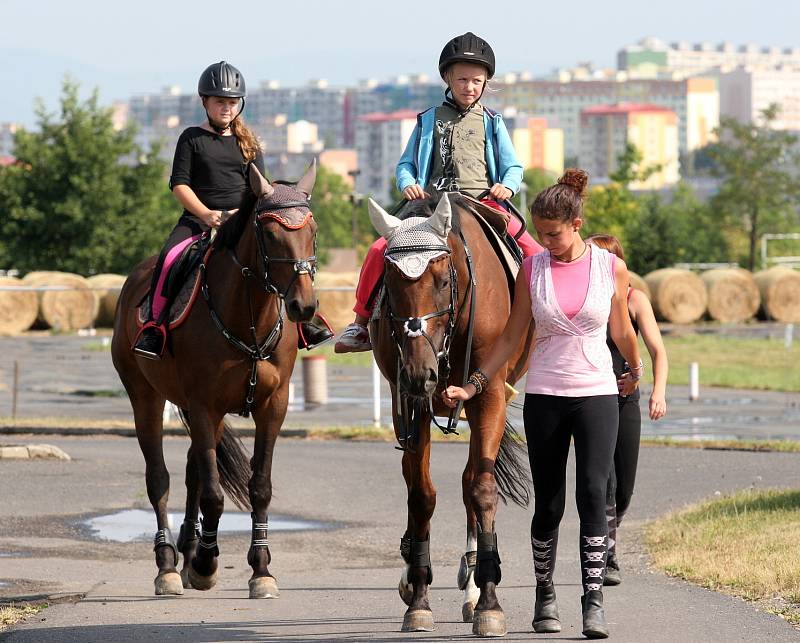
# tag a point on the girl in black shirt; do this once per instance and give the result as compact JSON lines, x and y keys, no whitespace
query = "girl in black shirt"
{"x":209,"y":179}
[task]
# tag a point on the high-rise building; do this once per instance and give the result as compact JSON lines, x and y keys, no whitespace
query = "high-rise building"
{"x":694,"y":100}
{"x":652,"y":56}
{"x":746,"y":91}
{"x":653,"y":130}
{"x":380,"y":141}
{"x":537,"y":145}
{"x":7,"y":131}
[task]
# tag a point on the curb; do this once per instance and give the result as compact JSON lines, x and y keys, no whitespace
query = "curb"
{"x":32,"y":452}
{"x":128,"y":432}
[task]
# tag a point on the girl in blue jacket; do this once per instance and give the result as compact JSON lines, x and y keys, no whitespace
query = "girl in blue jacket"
{"x":456,"y":146}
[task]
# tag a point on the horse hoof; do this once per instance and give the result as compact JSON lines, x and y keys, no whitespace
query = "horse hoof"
{"x":263,"y":587}
{"x":467,"y":612}
{"x":489,"y":623}
{"x":187,"y":584}
{"x":202,"y":583}
{"x":405,"y":588}
{"x":418,"y":621}
{"x":168,"y":584}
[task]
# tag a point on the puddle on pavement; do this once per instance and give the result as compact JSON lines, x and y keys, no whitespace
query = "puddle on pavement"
{"x":137,"y":524}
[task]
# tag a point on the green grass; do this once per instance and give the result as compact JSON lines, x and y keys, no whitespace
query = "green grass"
{"x":733,"y":362}
{"x":781,"y":446}
{"x":744,"y":544}
{"x":344,"y":359}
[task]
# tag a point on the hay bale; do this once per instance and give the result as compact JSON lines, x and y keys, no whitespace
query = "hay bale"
{"x":64,"y":310}
{"x":639,"y":284}
{"x":678,"y":295}
{"x":337,"y":306}
{"x":18,"y":308}
{"x":780,"y":293}
{"x":732,"y":294}
{"x":107,"y":287}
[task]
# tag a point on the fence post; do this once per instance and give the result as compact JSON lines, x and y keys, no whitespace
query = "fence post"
{"x":315,"y":381}
{"x":376,"y":395}
{"x":694,"y":381}
{"x":788,"y":336}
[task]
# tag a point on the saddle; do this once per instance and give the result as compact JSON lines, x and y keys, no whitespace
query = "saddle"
{"x":183,"y":285}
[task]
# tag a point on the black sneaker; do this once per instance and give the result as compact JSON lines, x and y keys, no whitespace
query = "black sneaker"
{"x":150,"y":344}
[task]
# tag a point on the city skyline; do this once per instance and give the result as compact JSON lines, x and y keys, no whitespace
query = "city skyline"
{"x":343,"y":43}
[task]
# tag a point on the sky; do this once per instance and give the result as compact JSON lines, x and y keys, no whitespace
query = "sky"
{"x":128,"y":48}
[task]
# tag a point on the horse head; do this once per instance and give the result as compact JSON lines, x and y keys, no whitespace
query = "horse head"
{"x":421,"y":293}
{"x":286,"y":233}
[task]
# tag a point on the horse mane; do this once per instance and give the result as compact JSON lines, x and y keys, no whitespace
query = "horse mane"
{"x":231,"y":231}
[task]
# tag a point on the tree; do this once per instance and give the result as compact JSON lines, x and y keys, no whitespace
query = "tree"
{"x":82,"y":196}
{"x":758,"y":168}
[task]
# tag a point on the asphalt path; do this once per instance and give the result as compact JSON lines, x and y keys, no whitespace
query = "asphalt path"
{"x":339,"y":583}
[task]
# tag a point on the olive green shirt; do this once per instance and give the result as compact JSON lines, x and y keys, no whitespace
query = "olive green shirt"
{"x":459,"y":151}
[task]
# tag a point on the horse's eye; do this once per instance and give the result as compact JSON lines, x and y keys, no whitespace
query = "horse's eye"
{"x":444,"y":284}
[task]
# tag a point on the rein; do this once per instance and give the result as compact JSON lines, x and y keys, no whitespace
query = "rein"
{"x":410,"y":408}
{"x":262,"y":351}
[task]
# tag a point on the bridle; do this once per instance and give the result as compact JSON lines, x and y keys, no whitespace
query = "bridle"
{"x":410,"y":407}
{"x":259,"y":351}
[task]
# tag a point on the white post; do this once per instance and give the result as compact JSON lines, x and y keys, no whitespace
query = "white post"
{"x":170,"y":411}
{"x":788,"y":336}
{"x":694,"y":381}
{"x":376,"y":395}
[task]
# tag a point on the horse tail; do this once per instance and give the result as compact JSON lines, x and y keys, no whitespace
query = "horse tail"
{"x":513,"y":479}
{"x":233,"y":464}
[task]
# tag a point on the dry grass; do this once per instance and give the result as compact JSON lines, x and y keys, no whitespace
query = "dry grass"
{"x":744,"y":544}
{"x":783,"y":446}
{"x":12,"y":613}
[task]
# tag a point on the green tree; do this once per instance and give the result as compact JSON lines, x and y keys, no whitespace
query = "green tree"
{"x":82,"y":196}
{"x":682,"y":229}
{"x":758,"y":168}
{"x":342,"y":218}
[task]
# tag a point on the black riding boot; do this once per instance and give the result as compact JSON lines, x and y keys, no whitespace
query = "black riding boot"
{"x":613,"y":576}
{"x":545,"y":614}
{"x":312,"y":333}
{"x":594,"y":618}
{"x":150,"y":343}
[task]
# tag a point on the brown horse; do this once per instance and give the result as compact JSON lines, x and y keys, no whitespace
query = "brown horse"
{"x":234,"y":353}
{"x":445,"y":302}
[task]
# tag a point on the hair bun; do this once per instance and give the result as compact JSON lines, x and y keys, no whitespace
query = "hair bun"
{"x":575,"y":178}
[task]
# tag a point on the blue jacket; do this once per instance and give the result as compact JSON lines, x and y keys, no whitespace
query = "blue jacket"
{"x":501,"y":160}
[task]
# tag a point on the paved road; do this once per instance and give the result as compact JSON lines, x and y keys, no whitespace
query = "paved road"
{"x":339,"y":583}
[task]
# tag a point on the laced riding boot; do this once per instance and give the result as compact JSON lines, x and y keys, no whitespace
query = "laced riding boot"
{"x":150,"y":342}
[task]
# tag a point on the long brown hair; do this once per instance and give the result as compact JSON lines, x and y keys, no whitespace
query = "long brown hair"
{"x":564,"y":200}
{"x":248,"y":143}
{"x":607,"y":242}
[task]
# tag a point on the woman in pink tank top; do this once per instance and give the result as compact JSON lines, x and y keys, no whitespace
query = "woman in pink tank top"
{"x":571,"y":292}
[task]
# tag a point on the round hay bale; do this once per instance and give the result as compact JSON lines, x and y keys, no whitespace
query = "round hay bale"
{"x":732,"y":294}
{"x":64,"y":310}
{"x":678,"y":296}
{"x":639,"y":284}
{"x":18,"y":308}
{"x":107,"y":287}
{"x":780,"y":293}
{"x":337,"y":306}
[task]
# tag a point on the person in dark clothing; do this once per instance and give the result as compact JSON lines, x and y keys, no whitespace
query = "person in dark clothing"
{"x":626,"y":454}
{"x":209,"y":179}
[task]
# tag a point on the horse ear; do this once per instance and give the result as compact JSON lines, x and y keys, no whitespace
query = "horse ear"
{"x":383,"y":222}
{"x":306,"y":184}
{"x":258,"y":184}
{"x":441,"y":219}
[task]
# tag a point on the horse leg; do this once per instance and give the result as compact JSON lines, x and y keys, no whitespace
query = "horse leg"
{"x":189,"y":535}
{"x":268,"y":419}
{"x":148,"y":410}
{"x":466,"y":569}
{"x":205,"y":437}
{"x":415,"y":545}
{"x":487,"y":425}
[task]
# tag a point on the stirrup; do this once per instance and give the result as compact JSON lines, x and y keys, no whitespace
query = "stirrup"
{"x":323,"y":330}
{"x":142,"y":351}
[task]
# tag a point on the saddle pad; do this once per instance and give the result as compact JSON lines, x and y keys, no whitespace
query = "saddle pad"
{"x":509,"y":261}
{"x":181,"y":306}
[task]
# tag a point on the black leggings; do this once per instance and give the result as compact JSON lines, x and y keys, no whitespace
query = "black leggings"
{"x":550,"y":422}
{"x":626,"y":456}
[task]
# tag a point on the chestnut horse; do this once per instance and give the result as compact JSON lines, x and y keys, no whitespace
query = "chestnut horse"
{"x":445,"y":301}
{"x":234,"y":353}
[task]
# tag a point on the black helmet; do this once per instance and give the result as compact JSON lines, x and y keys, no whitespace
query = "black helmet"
{"x":222,"y":79}
{"x":468,"y":48}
